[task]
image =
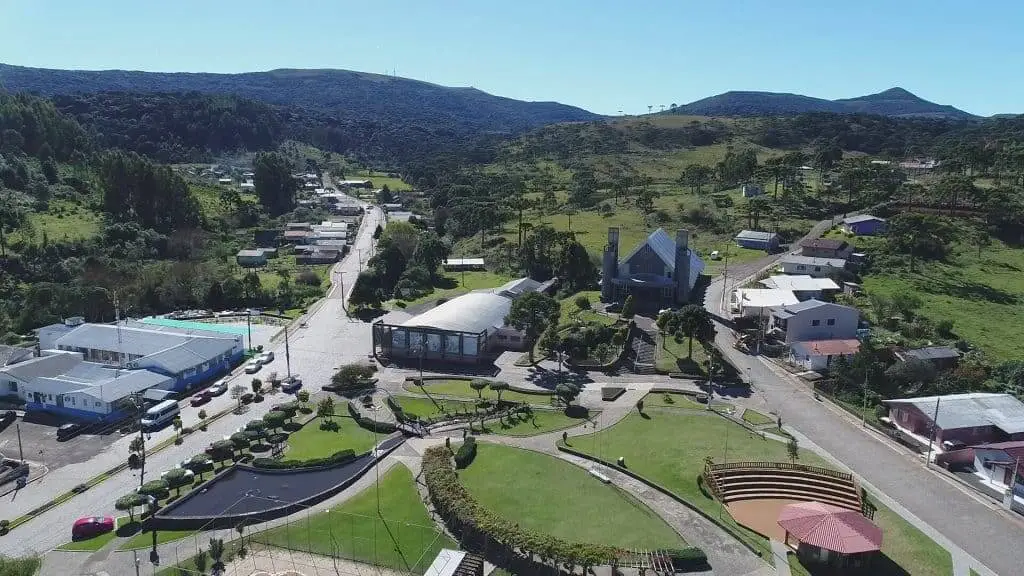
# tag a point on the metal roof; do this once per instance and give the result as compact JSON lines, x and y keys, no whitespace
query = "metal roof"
{"x":136,"y":339}
{"x":189,"y":354}
{"x":517,"y":287}
{"x":862,"y":218}
{"x":764,"y":297}
{"x":932,"y":353}
{"x":791,"y":310}
{"x":830,"y":527}
{"x":665,"y":247}
{"x":474,"y":313}
{"x":100,"y":382}
{"x":446,"y":563}
{"x":812,"y":261}
{"x":42,"y":366}
{"x":464,"y":262}
{"x":13,"y":354}
{"x":799,"y":283}
{"x":257,"y":253}
{"x":756,"y":235}
{"x":968,"y":410}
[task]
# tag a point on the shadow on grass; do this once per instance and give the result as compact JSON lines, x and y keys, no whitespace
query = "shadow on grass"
{"x":881,"y":565}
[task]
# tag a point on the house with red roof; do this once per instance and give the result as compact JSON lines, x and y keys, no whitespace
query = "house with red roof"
{"x":820,"y":354}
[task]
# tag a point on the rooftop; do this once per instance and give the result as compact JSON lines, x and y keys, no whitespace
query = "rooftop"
{"x":826,"y":243}
{"x":42,"y":366}
{"x":799,"y":283}
{"x":464,"y":262}
{"x":791,"y":310}
{"x":250,"y":253}
{"x":812,"y":261}
{"x":756,"y":235}
{"x":665,"y":247}
{"x":968,"y":410}
{"x":829,"y":347}
{"x":474,"y":313}
{"x":831,"y":527}
{"x":517,"y":287}
{"x":133,"y":340}
{"x":13,"y":354}
{"x":862,"y":218}
{"x":932,"y":353}
{"x":764,"y":297}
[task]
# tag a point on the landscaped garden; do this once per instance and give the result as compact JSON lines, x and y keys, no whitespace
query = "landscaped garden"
{"x":431,"y":408}
{"x":557,"y":498}
{"x":673,"y":400}
{"x":651,"y":447}
{"x":312,"y":441}
{"x":402,"y":537}
{"x":537,"y":421}
{"x":19,"y":566}
{"x":457,"y":388}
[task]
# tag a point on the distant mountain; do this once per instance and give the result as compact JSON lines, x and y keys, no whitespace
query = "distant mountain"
{"x":895,"y":102}
{"x":349,"y":96}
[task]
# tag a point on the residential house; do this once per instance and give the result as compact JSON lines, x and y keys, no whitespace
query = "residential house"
{"x":811,"y":266}
{"x":1001,"y":464}
{"x":757,"y":240}
{"x":318,"y":256}
{"x":819,"y":354}
{"x":757,"y":302}
{"x":804,"y":287}
{"x":459,"y":264}
{"x":296,"y":236}
{"x":864,"y":225}
{"x":392,"y":206}
{"x":826,"y":248}
{"x":356,"y":184}
{"x":660,"y":272}
{"x":251,"y":258}
{"x":972,"y":418}
{"x":815,"y":320}
{"x":320,"y":236}
{"x":943,"y":357}
{"x":751,"y":190}
{"x":225,"y":181}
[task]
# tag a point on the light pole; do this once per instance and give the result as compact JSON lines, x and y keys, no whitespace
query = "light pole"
{"x":341,"y":283}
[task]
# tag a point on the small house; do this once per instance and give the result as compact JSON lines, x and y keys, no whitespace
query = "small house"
{"x":972,"y":418}
{"x":391,"y":206}
{"x":826,"y":248}
{"x":943,"y":357}
{"x":751,"y":190}
{"x":1001,"y":464}
{"x":804,"y":287}
{"x":298,"y":226}
{"x":225,"y":181}
{"x":811,"y":266}
{"x":864,"y":225}
{"x":319,"y":256}
{"x":754,"y":302}
{"x":460,"y":264}
{"x":818,"y":355}
{"x":297,"y":236}
{"x":251,"y":258}
{"x":757,"y":240}
{"x":815,"y":320}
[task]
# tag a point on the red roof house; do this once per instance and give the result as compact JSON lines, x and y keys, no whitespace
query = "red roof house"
{"x":828,"y":534}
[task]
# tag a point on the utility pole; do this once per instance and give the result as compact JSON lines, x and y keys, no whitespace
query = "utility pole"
{"x":287,"y":355}
{"x":248,"y":325}
{"x":931,"y":436}
{"x":21,"y":453}
{"x":864,"y":410}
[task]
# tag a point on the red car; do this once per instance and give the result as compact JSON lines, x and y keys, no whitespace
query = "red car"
{"x":200,"y":399}
{"x":91,"y":526}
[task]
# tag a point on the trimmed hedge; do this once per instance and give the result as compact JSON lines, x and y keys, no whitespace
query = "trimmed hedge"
{"x":479,"y":528}
{"x":467,"y":452}
{"x":369,"y":423}
{"x":339,"y":457}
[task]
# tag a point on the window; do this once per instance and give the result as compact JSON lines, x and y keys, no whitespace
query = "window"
{"x":12,"y":386}
{"x":831,"y":322}
{"x":98,"y":404}
{"x":817,"y":268}
{"x":801,"y":267}
{"x":815,"y":322}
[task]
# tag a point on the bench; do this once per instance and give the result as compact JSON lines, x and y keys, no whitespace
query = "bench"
{"x":596,"y":474}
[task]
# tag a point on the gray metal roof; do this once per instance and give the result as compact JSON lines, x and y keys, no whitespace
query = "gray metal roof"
{"x":13,"y":354}
{"x":189,"y":354}
{"x":665,"y":247}
{"x":933,"y":353}
{"x":812,"y":261}
{"x":42,"y":366}
{"x":861,"y":218}
{"x":793,"y":309}
{"x":517,"y":287}
{"x":968,"y":410}
{"x":135,"y":340}
{"x":250,"y":253}
{"x":474,"y":312}
{"x":104,"y":384}
{"x":756,"y":235}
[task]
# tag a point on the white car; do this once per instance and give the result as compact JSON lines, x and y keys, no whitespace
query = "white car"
{"x":266,"y":358}
{"x":715,"y":255}
{"x":253,"y":367}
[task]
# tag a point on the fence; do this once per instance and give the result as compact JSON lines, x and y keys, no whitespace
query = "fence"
{"x":781,"y":466}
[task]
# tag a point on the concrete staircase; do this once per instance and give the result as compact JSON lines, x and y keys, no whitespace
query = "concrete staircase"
{"x":643,"y":351}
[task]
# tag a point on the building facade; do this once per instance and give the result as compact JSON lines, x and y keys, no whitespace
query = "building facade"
{"x":815,"y":320}
{"x":659,"y":273}
{"x":757,"y":240}
{"x":811,"y":266}
{"x":864,"y":225}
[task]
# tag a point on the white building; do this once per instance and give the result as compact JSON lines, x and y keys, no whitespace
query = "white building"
{"x":815,"y":320}
{"x":820,"y":354}
{"x":804,"y":287}
{"x":753,"y":302}
{"x":811,"y":266}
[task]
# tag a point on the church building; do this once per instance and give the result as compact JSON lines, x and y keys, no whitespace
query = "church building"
{"x":659,"y":273}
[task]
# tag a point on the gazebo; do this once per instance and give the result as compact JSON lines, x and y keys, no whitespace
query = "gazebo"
{"x":827,"y":534}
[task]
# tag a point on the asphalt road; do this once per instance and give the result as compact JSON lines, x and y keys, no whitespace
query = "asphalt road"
{"x":329,"y":340}
{"x":990,"y":535}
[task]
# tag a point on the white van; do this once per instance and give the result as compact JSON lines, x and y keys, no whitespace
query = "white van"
{"x":160,"y":415}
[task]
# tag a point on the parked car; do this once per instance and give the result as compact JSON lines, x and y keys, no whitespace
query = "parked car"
{"x":291,"y":383}
{"x":200,"y":399}
{"x":716,"y":255}
{"x":219,"y":387}
{"x":253,"y":367}
{"x":266,"y":358}
{"x":614,"y":307}
{"x":7,"y":418}
{"x":91,"y":526}
{"x":68,"y":431}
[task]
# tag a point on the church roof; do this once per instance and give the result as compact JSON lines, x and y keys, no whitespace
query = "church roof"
{"x":662,"y":244}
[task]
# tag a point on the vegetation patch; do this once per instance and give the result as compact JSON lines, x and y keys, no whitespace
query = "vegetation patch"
{"x":313,"y":443}
{"x":535,"y":422}
{"x":673,"y":400}
{"x":461,"y":389}
{"x":19,"y":566}
{"x":755,"y":418}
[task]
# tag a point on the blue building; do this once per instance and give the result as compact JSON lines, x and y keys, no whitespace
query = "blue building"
{"x":864,"y":225}
{"x":757,"y":240}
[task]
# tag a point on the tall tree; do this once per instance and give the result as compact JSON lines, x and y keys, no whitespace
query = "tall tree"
{"x":531,"y":313}
{"x":275,"y":186}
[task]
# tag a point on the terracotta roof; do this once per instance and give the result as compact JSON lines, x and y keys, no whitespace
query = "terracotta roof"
{"x":830,"y":527}
{"x":830,"y":347}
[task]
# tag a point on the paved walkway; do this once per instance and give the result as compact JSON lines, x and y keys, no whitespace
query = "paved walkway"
{"x":780,"y":552}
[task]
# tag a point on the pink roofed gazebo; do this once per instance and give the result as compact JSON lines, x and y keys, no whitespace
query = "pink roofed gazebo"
{"x":829,"y":534}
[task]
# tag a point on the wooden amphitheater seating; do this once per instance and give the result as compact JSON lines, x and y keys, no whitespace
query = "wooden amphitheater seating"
{"x":781,"y":480}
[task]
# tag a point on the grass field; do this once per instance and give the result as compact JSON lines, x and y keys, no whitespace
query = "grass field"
{"x":380,"y":179}
{"x":554,"y":497}
{"x":432,"y":407}
{"x":145,"y":539}
{"x":453,"y":284}
{"x":19,"y":566}
{"x":755,"y":418}
{"x":540,"y":422}
{"x":651,"y":449}
{"x":461,"y":389}
{"x":673,"y":357}
{"x":402,"y":537}
{"x":311,"y":442}
{"x":667,"y":400}
{"x":62,"y":220}
{"x":971,"y":292}
{"x":569,"y":310}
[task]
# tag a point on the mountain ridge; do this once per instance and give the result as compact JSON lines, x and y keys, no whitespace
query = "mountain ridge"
{"x":895,"y":102}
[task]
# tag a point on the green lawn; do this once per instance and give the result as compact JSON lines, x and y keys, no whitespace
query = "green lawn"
{"x":569,"y":310}
{"x":380,"y":179}
{"x":454,"y":284}
{"x":311,"y":442}
{"x":540,"y":422}
{"x":432,"y":408}
{"x":19,"y":566}
{"x":673,"y":400}
{"x":554,"y":497}
{"x":755,"y":418}
{"x":461,"y":389}
{"x":62,"y":221}
{"x":971,"y":292}
{"x":145,"y":539}
{"x":403,"y":537}
{"x":673,"y":356}
{"x":96,"y":542}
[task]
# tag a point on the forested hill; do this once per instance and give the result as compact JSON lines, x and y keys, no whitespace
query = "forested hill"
{"x":895,"y":102}
{"x":351,"y":96}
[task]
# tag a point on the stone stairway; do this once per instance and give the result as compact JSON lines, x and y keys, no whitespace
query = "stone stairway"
{"x":642,"y":356}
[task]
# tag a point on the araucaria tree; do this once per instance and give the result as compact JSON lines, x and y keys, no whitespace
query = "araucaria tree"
{"x":274,"y":183}
{"x":531,"y":314}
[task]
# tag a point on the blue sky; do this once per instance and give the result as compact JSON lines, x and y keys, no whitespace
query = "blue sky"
{"x":598,"y":54}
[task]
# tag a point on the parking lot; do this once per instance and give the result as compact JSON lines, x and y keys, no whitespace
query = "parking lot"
{"x":39,"y":442}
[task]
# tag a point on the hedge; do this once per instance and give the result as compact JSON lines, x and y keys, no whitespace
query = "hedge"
{"x":467,"y":452}
{"x":339,"y":457}
{"x":479,"y":528}
{"x":369,"y":423}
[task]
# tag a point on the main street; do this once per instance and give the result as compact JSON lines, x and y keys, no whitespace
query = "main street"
{"x":327,"y":340}
{"x":984,"y":531}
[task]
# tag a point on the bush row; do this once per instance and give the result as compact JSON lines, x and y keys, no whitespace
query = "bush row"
{"x":369,"y":423}
{"x":467,"y":452}
{"x":339,"y":457}
{"x":479,"y":528}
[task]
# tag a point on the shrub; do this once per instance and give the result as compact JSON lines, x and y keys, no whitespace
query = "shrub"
{"x":350,"y":377}
{"x":466,"y":453}
{"x":78,"y":489}
{"x":155,"y":488}
{"x":337,"y":458}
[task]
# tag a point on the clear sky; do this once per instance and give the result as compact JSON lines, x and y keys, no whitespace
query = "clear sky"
{"x":602,"y":55}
